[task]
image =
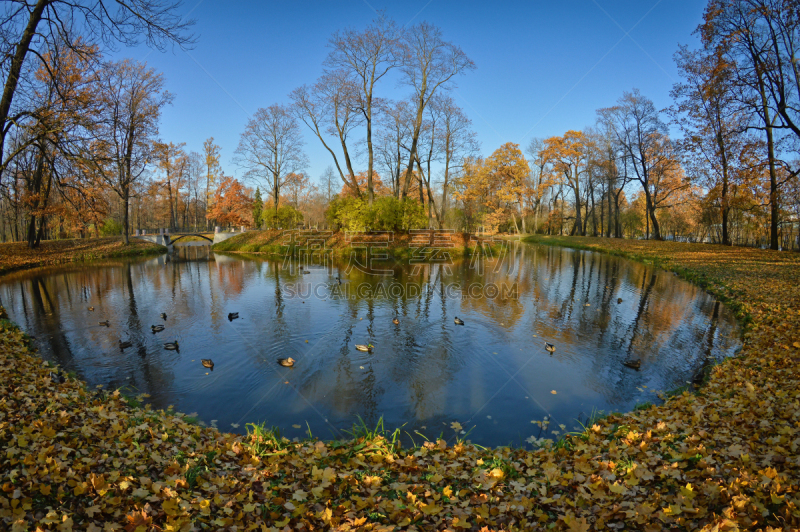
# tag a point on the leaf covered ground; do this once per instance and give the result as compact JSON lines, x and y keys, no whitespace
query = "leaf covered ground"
{"x":722,"y":459}
{"x":17,"y":255}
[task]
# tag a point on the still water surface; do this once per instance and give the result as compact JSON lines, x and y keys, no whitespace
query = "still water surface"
{"x":426,"y":372}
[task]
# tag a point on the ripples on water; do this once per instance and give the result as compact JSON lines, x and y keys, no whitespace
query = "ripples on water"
{"x":493,"y":373}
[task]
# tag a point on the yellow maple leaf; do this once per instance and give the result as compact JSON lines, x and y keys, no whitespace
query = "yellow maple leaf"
{"x":430,"y":509}
{"x":618,"y":488}
{"x":326,"y":515}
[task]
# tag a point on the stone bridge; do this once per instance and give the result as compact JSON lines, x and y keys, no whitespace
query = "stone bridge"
{"x":167,"y":239}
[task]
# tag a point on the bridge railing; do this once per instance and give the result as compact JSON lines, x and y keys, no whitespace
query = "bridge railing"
{"x":189,"y":230}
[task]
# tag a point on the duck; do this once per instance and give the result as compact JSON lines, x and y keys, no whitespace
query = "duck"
{"x":124,"y":344}
{"x":396,"y":321}
{"x":91,"y":309}
{"x":208,"y":363}
{"x":286,"y":362}
{"x":232,"y":315}
{"x":157,"y":328}
{"x":549,"y":347}
{"x":105,"y":323}
{"x":366,"y":348}
{"x":164,"y":316}
{"x":458,"y":321}
{"x":171,"y":346}
{"x":57,"y":377}
{"x":619,"y":300}
{"x":633,"y":364}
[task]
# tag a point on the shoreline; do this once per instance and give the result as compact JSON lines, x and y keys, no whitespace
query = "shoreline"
{"x":16,"y":256}
{"x":723,"y":457}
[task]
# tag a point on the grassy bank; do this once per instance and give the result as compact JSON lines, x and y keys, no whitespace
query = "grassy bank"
{"x":397,"y":245}
{"x":725,"y":458}
{"x":18,"y":256}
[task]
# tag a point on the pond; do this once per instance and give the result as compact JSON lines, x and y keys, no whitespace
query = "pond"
{"x":492,"y":375}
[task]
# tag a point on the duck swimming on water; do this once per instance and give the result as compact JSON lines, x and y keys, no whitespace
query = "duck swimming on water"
{"x":286,"y":362}
{"x":396,"y":321}
{"x":233,"y":315}
{"x":208,"y":363}
{"x":105,"y":323}
{"x":458,"y":321}
{"x":157,"y":328}
{"x":633,"y":363}
{"x":619,"y":300}
{"x":171,"y":346}
{"x":125,"y":344}
{"x":164,"y":316}
{"x":550,"y":347}
{"x":365,"y":348}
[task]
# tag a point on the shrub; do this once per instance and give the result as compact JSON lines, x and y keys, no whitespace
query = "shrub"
{"x":111,"y":227}
{"x":387,"y":213}
{"x":287,"y":216}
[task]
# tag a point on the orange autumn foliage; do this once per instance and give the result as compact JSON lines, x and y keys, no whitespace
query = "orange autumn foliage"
{"x":233,"y":203}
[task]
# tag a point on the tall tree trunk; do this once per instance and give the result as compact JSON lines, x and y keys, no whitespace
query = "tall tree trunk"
{"x":125,"y":202}
{"x":774,"y":212}
{"x":370,"y":157}
{"x":651,"y":210}
{"x":602,"y":215}
{"x":610,"y":207}
{"x":773,"y":179}
{"x":443,"y":208}
{"x":12,"y":78}
{"x":514,"y":217}
{"x":35,"y":188}
{"x":578,"y":227}
{"x":726,"y":239}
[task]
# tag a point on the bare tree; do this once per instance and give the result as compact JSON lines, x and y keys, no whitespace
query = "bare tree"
{"x":609,"y":162}
{"x":637,"y":127}
{"x":428,"y":152}
{"x":457,"y":142}
{"x":328,"y":187}
{"x":171,"y":160}
{"x":133,"y":98}
{"x":367,"y":56}
{"x":211,"y":157}
{"x":195,"y":179}
{"x":331,"y":107}
{"x":271,"y":148}
{"x":394,"y":138}
{"x":429,"y":64}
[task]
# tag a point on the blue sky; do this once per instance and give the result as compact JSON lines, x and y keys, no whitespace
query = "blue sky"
{"x":542,"y":67}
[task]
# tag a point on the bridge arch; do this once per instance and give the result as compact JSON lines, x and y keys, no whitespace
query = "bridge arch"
{"x":190,"y":234}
